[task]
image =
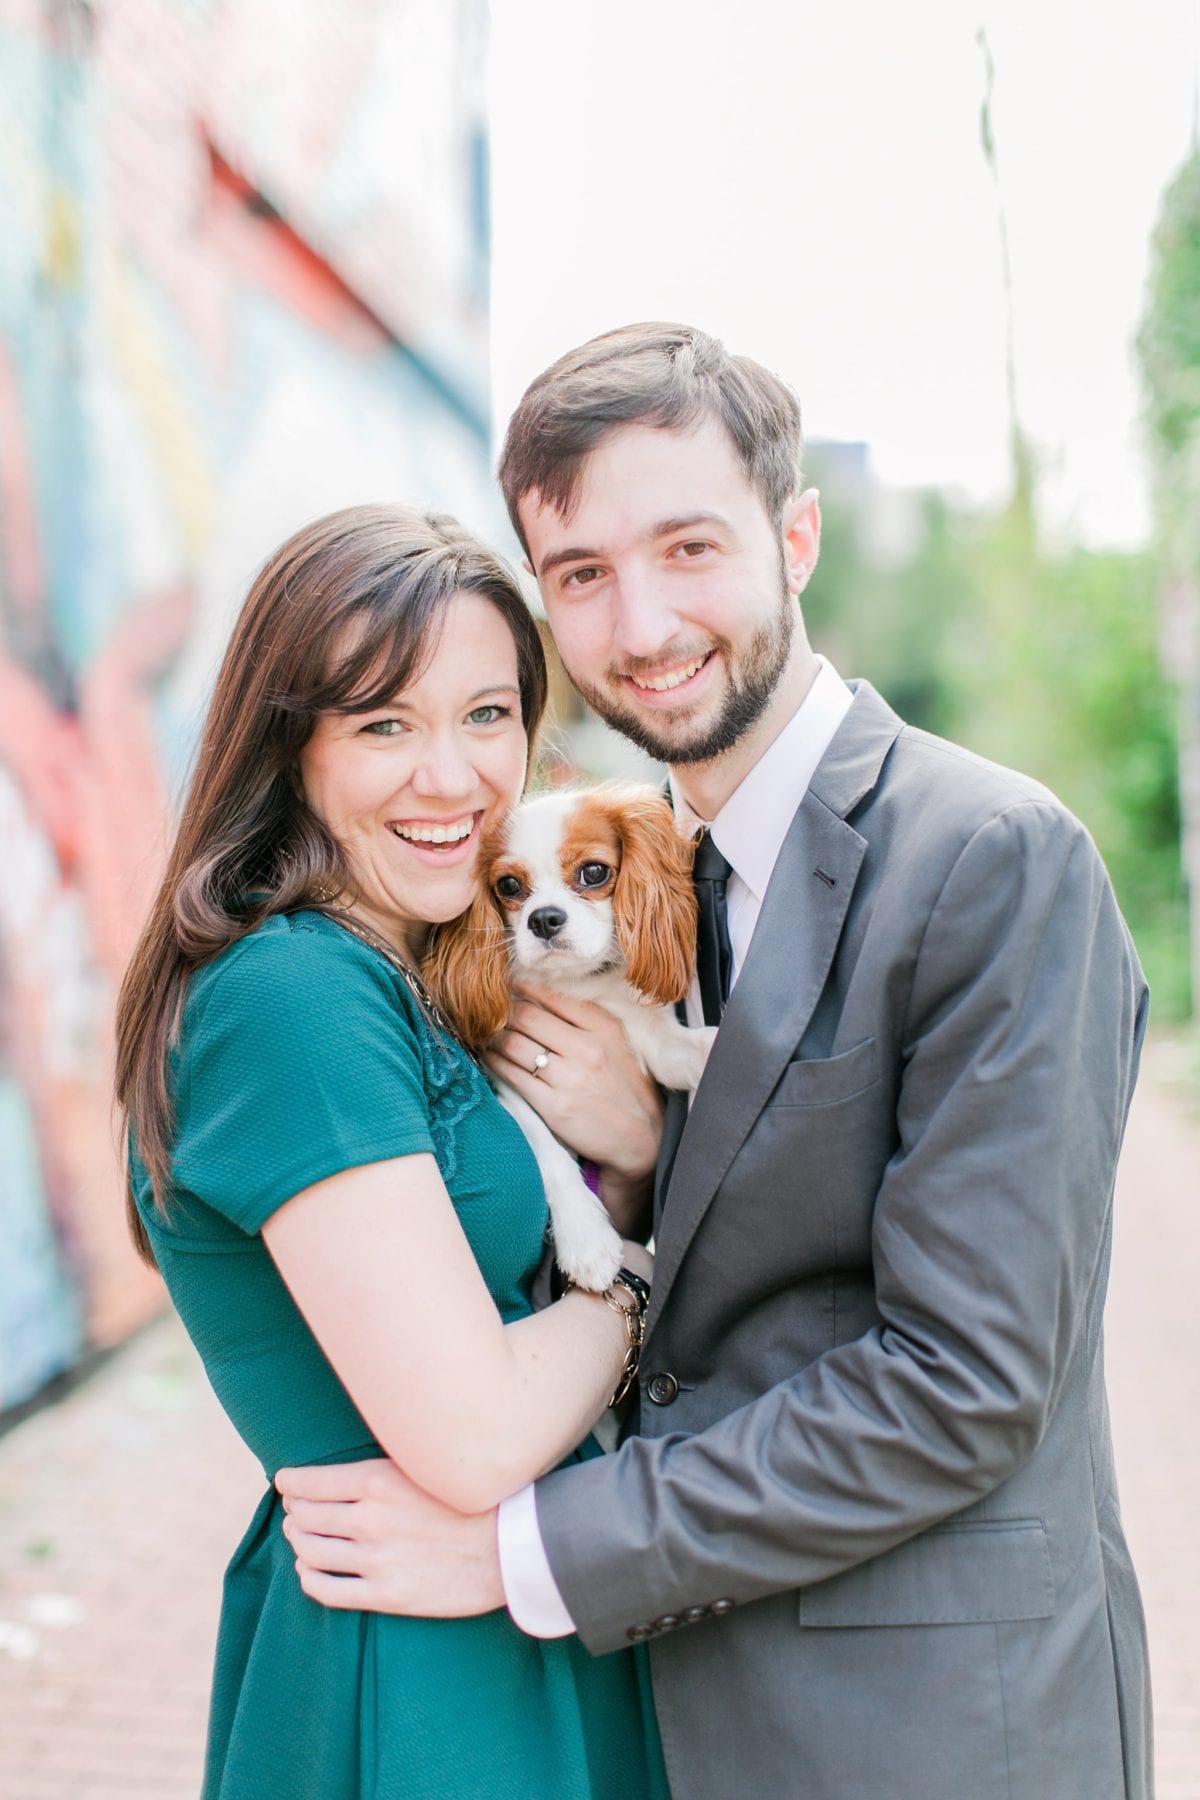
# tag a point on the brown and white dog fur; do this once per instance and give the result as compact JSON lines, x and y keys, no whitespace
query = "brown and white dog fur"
{"x":587,"y":894}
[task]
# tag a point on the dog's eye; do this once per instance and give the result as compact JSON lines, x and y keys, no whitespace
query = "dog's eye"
{"x":594,"y":874}
{"x":508,"y":887}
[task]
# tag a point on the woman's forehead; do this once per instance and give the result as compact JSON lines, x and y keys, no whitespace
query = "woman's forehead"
{"x":466,"y":643}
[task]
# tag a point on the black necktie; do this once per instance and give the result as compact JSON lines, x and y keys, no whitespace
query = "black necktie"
{"x":714,"y":958}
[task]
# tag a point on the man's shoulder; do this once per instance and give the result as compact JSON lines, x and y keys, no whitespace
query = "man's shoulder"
{"x":877,"y":762}
{"x":942,"y":820}
{"x":935,"y":765}
{"x":933,"y":796}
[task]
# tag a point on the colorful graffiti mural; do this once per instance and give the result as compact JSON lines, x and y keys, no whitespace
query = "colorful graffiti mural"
{"x":220,"y":314}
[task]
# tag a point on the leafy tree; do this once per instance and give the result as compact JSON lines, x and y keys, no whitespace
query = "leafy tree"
{"x":1169,"y":353}
{"x":1046,"y":663}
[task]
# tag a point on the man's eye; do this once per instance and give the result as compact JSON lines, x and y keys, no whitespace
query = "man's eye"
{"x":508,"y":887}
{"x":593,"y":874}
{"x":582,"y":577}
{"x":692,"y":550}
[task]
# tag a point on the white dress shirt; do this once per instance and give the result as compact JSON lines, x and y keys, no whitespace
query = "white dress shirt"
{"x":748,"y":831}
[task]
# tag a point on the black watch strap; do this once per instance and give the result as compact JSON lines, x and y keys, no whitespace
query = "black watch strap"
{"x":635,"y":1282}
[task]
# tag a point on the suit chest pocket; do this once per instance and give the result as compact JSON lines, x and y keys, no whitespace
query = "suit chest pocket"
{"x":829,"y":1080}
{"x":804,"y":1182}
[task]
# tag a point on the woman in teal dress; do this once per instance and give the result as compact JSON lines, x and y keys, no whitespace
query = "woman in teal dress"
{"x":347,"y":1220}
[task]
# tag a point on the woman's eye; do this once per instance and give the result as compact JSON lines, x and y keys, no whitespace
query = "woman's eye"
{"x":384,"y":727}
{"x":508,"y":887}
{"x":488,"y":715}
{"x":594,"y":874}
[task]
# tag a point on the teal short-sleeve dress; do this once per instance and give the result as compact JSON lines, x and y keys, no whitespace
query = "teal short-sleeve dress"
{"x":301,"y":1053}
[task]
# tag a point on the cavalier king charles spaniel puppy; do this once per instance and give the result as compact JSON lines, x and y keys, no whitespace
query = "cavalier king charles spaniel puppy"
{"x":588,"y":894}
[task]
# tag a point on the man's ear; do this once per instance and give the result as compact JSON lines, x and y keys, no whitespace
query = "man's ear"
{"x":527,"y":565}
{"x":801,"y":527}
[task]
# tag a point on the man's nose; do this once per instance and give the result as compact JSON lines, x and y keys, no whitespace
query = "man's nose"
{"x":646,"y":618}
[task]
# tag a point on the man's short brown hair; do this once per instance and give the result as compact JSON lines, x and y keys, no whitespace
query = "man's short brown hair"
{"x":670,"y":376}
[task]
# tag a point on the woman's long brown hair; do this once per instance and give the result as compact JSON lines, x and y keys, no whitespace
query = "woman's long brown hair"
{"x":342,"y":617}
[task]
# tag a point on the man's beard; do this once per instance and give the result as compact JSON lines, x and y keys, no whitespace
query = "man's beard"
{"x":750,"y":689}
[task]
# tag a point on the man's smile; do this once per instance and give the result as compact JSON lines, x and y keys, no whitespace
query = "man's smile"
{"x":680,"y":682}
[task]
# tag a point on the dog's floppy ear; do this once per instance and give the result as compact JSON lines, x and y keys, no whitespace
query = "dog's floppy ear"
{"x":654,"y":904}
{"x":466,"y":969}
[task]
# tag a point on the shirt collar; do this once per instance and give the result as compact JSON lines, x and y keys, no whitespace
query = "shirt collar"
{"x":750,"y":828}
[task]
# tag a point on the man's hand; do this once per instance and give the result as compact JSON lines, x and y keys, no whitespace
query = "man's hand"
{"x":367,"y":1539}
{"x":592,"y":1093}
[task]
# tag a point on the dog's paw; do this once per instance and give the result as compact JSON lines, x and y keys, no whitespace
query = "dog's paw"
{"x":682,"y":1062}
{"x":587,"y":1247}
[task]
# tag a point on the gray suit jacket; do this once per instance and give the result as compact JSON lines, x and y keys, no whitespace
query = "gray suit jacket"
{"x":866,"y":1515}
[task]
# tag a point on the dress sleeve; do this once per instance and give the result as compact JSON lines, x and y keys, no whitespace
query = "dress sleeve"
{"x":296,"y":1062}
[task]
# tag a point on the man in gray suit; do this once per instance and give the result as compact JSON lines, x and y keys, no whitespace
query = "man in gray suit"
{"x":865,"y":1512}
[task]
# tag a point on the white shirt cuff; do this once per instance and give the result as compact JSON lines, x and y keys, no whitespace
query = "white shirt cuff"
{"x":529,"y":1586}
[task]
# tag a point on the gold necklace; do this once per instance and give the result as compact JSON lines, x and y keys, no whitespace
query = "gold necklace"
{"x":408,"y":975}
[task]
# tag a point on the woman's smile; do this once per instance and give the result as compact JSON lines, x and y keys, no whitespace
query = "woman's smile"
{"x":438,"y":843}
{"x":430,"y":831}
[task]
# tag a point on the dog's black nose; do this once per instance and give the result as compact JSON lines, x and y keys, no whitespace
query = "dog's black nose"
{"x":547,"y":921}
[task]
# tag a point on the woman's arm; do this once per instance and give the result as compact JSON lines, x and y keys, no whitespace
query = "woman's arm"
{"x":470,"y":1408}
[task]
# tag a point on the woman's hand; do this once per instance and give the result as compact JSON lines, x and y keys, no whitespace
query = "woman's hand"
{"x":367,"y":1538}
{"x":591,"y":1093}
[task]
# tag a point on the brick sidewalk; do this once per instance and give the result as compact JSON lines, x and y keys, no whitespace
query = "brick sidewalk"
{"x":120,"y":1507}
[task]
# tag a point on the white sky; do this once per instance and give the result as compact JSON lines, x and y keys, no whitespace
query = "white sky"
{"x":807,"y":181}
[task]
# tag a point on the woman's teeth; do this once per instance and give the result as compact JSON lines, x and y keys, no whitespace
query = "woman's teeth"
{"x":436,"y":834}
{"x":662,"y":683}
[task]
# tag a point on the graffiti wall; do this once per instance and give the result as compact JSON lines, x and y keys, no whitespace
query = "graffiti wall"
{"x":243,"y":283}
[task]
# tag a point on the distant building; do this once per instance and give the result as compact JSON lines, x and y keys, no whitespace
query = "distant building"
{"x":244,"y":282}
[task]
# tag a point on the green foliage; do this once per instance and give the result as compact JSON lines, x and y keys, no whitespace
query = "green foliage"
{"x":1169,"y":340}
{"x":1048,"y":664}
{"x":892,"y":622}
{"x":1169,"y":353}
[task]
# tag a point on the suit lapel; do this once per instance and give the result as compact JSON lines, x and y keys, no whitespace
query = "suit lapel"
{"x":786,"y":968}
{"x":675,"y":1119}
{"x":788,"y":961}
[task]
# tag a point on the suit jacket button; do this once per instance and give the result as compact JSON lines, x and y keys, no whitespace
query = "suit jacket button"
{"x":662,"y":1388}
{"x":719,"y":1607}
{"x":668,"y":1622}
{"x":636,"y":1633}
{"x":694,"y":1614}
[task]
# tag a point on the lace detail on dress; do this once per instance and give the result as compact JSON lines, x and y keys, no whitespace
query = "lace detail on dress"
{"x":454,"y":1085}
